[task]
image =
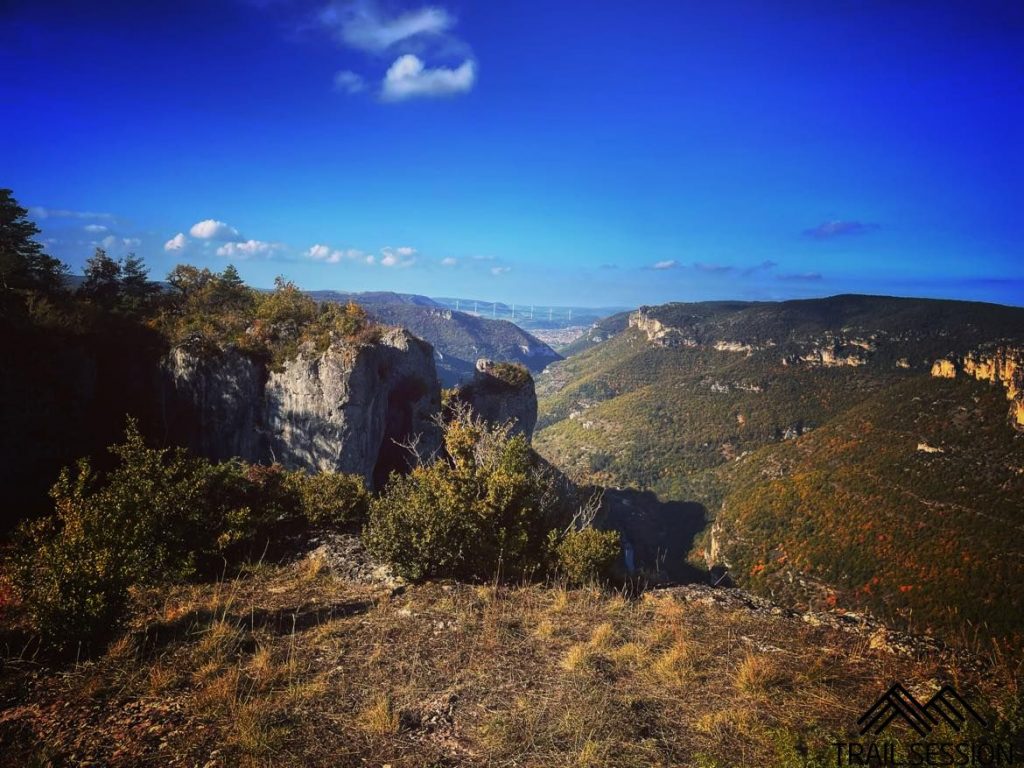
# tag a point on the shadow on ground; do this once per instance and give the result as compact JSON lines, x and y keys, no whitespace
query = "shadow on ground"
{"x":659,"y":533}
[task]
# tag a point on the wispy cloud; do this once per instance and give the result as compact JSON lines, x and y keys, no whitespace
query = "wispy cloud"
{"x":363,"y":25}
{"x":349,"y":82}
{"x":838,"y":228}
{"x":117,"y":245}
{"x":403,"y":256}
{"x":500,"y":270}
{"x":41,"y":212}
{"x":427,"y":59}
{"x":807,"y":277}
{"x":714,"y":269}
{"x":667,"y":264}
{"x":95,"y":228}
{"x":449,"y":261}
{"x":409,"y":78}
{"x":211,"y":229}
{"x":764,"y":266}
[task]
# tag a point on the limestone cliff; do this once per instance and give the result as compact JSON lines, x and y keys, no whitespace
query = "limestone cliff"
{"x":502,"y":393}
{"x":659,"y":333}
{"x":345,"y":410}
{"x":999,"y":365}
{"x":212,"y":405}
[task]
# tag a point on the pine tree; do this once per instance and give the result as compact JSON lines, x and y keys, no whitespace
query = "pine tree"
{"x":230,"y":277}
{"x":136,"y":288}
{"x":23,"y":264}
{"x":102,"y":279}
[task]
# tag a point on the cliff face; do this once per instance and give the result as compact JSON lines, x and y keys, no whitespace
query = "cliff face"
{"x":212,"y":405}
{"x":659,"y":333}
{"x":342,"y":411}
{"x":498,"y":398}
{"x":1001,"y":365}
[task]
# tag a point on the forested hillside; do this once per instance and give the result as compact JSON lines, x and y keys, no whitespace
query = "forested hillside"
{"x":824,"y":438}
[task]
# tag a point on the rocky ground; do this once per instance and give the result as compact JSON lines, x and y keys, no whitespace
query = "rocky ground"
{"x":330,"y":660}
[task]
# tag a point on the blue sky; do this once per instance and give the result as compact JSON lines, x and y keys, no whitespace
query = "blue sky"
{"x":589,"y":153}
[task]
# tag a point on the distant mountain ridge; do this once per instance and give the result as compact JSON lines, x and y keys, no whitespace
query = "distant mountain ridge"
{"x":459,"y":339}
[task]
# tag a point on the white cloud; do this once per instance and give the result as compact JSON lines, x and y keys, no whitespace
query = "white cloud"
{"x":449,"y":261}
{"x":117,"y":244}
{"x":670,"y":264}
{"x":176,"y":243}
{"x":409,"y":78}
{"x":403,"y":256}
{"x":248,"y":249}
{"x":95,"y":228}
{"x":349,"y":82}
{"x":371,"y":259}
{"x":328,"y":255}
{"x":41,"y":212}
{"x":319,"y":252}
{"x":360,"y":24}
{"x":211,"y":229}
{"x":500,"y":270}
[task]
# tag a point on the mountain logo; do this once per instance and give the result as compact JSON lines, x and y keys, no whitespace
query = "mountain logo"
{"x":946,"y":705}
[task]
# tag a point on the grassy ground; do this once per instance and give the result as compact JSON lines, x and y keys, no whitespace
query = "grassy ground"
{"x":295,"y":664}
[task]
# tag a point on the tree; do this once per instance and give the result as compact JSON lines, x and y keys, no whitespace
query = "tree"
{"x":136,"y":289}
{"x":23,"y":264}
{"x":102,"y":279}
{"x":230,"y":277}
{"x":230,"y":292}
{"x":186,"y":279}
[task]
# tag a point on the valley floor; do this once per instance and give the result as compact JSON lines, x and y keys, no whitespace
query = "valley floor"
{"x":327,"y":661}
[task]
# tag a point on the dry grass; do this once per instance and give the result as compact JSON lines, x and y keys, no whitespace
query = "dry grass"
{"x":757,"y":673}
{"x":379,"y":717}
{"x":290,"y":665}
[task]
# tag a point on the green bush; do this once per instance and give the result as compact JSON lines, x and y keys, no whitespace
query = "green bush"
{"x":159,"y":515}
{"x":208,"y":312}
{"x":330,"y":498}
{"x":588,"y":555}
{"x":515,"y":375}
{"x":145,"y":523}
{"x":482,"y":510}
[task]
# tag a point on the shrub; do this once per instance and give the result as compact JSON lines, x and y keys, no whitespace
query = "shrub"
{"x":483,"y":509}
{"x":159,"y":515}
{"x":515,"y":375}
{"x":74,"y":570}
{"x":210,"y":312}
{"x":588,"y":555}
{"x":245,"y":506}
{"x":330,"y":498}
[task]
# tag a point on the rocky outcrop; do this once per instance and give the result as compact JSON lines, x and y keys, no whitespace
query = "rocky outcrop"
{"x":664,"y":335}
{"x":350,"y":409}
{"x":1000,"y":365}
{"x":659,"y":333}
{"x":832,"y":357}
{"x":502,"y":392}
{"x":944,"y":369}
{"x":734,"y":346}
{"x":213,"y":405}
